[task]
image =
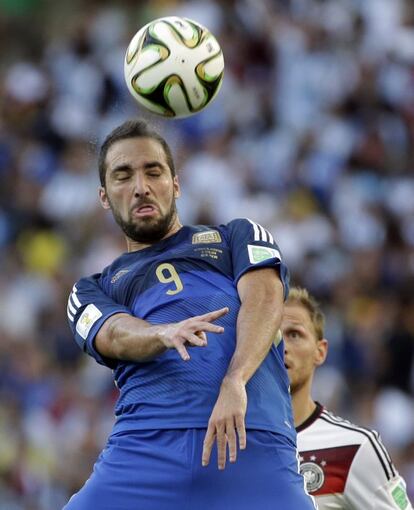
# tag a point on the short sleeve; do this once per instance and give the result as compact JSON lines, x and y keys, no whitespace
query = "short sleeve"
{"x":373,"y":482}
{"x":252,"y":247}
{"x":88,"y":308}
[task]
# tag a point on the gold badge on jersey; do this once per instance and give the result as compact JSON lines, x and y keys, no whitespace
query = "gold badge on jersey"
{"x":211,"y":236}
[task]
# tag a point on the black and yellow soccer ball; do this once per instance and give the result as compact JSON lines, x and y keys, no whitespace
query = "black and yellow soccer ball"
{"x":174,"y":67}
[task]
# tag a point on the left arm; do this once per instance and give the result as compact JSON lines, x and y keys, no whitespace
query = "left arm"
{"x":373,"y":482}
{"x":260,"y":314}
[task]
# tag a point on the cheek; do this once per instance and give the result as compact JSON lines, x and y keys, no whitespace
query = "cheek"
{"x":167,"y":196}
{"x":119,"y":196}
{"x":302,"y":357}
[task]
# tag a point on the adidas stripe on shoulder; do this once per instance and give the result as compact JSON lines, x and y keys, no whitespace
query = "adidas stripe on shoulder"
{"x":371,"y":435}
{"x":73,"y":304}
{"x":260,"y":233}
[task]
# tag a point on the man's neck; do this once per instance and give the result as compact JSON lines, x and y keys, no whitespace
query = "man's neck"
{"x":303,"y":406}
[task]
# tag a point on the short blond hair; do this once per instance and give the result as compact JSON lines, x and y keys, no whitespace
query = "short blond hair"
{"x":301,"y":297}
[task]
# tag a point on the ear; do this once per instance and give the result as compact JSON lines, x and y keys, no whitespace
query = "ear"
{"x":103,"y":198}
{"x":177,"y":189}
{"x":321,"y":352}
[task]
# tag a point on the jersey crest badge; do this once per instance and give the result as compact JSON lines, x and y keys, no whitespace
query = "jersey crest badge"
{"x":313,"y":475}
{"x":211,"y":236}
{"x":260,"y":253}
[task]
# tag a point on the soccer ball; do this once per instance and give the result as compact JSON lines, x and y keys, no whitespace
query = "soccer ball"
{"x":174,"y":67}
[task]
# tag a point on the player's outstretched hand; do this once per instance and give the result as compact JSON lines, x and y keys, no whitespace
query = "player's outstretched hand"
{"x":191,"y":332}
{"x":226,"y":425}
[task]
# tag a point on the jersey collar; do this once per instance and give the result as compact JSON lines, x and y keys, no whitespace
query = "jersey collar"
{"x":311,"y":418}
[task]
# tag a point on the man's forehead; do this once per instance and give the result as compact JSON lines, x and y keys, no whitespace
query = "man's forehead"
{"x":295,"y":310}
{"x":296,"y":315}
{"x":132,"y":149}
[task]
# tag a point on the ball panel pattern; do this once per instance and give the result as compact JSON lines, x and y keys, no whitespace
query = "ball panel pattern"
{"x":174,"y":67}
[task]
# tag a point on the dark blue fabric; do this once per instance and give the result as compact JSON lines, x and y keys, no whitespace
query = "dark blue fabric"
{"x":161,"y":470}
{"x":168,"y":392}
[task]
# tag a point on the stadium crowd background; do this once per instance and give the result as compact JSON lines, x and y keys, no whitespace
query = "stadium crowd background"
{"x":312,"y":135}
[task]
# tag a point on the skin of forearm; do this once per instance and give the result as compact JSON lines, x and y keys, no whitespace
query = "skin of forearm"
{"x":128,"y":338}
{"x":258,"y":321}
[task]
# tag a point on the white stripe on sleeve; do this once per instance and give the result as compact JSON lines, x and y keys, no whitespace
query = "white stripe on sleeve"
{"x":70,"y":316}
{"x":75,"y":297}
{"x":260,"y":233}
{"x":71,"y":308}
{"x":271,"y":240}
{"x":263,"y":236}
{"x":255,"y":229}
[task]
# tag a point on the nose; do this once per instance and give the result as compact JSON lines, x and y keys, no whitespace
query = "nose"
{"x":285,"y":354}
{"x":141,"y":186}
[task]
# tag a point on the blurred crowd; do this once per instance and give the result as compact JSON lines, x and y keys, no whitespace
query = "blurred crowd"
{"x":311,"y":135}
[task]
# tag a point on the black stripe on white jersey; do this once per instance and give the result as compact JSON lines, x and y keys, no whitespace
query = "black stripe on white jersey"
{"x":369,"y":431}
{"x":373,"y":438}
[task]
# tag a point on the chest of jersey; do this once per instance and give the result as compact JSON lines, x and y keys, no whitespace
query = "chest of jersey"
{"x":198,"y":266}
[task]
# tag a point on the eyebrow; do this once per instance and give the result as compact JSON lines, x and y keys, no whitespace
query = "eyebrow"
{"x":295,"y":326}
{"x":125,"y":167}
{"x":151,"y":164}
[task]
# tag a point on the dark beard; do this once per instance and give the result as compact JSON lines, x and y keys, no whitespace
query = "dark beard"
{"x":150,"y":232}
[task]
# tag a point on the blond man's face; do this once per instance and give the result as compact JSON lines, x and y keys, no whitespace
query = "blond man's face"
{"x":303,"y":351}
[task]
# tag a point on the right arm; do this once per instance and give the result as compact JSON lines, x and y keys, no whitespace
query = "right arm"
{"x":128,"y":338}
{"x":108,"y":331}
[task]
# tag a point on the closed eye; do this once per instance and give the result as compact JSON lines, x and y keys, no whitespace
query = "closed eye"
{"x":122,"y":176}
{"x":154,"y":168}
{"x":121,"y":173}
{"x":154,"y":173}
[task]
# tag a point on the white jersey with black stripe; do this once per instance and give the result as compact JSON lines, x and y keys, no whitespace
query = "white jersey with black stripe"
{"x":347,"y":467}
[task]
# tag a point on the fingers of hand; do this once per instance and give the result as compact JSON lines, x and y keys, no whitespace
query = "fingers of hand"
{"x":224,"y":434}
{"x":201,"y":335}
{"x":197,"y":327}
{"x":221,"y":439}
{"x":241,"y":432}
{"x":232,"y":441}
{"x":208,"y":445}
{"x":194,"y":339}
{"x":206,"y":326}
{"x":214,"y":315}
{"x":182,"y":351}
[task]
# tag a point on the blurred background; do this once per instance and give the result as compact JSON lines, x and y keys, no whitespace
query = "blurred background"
{"x":312,"y":135}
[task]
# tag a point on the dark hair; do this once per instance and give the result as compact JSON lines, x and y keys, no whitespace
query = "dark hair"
{"x":138,"y":128}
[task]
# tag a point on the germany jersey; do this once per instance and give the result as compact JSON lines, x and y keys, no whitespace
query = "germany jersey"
{"x":347,"y":467}
{"x":192,"y":272}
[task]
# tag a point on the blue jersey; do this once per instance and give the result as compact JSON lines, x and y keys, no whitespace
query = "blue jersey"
{"x":190,"y":273}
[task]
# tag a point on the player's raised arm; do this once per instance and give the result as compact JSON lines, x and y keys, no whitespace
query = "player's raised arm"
{"x":261,"y":294}
{"x":108,"y":331}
